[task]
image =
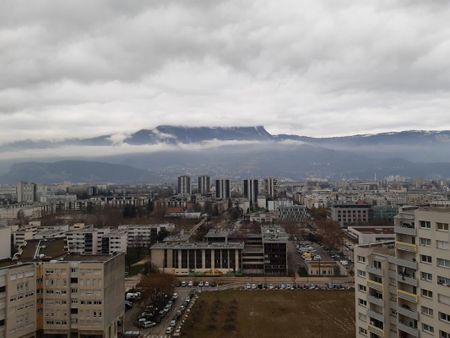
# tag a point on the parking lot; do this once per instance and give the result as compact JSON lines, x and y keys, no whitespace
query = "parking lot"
{"x":173,"y":319}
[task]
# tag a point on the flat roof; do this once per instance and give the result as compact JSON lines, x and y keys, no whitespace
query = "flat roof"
{"x":273,"y":233}
{"x":214,"y":233}
{"x":435,"y":209}
{"x":88,"y":258}
{"x":198,"y":245}
{"x":388,"y":230}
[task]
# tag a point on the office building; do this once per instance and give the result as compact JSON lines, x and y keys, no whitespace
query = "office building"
{"x":204,"y":185}
{"x":403,"y":290}
{"x":184,"y":185}
{"x":349,"y":214}
{"x":26,"y":192}
{"x":263,"y":253}
{"x":251,"y":190}
{"x":270,"y":187}
{"x":222,"y":189}
{"x":200,"y":257}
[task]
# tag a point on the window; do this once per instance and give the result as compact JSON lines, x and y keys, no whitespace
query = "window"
{"x":362,"y":317}
{"x":362,"y":302}
{"x":442,"y":226}
{"x":377,"y":265}
{"x":444,"y":317}
{"x":427,"y":311}
{"x":443,"y":263}
{"x":361,"y":274}
{"x":443,"y":281}
{"x":361,"y":259}
{"x":426,"y":276}
{"x":362,"y":288}
{"x":426,"y":259}
{"x":442,"y":245}
{"x":427,"y":293}
{"x":425,"y":224}
{"x":364,"y":331}
{"x":443,"y":334}
{"x":427,"y":328}
{"x":424,"y":241}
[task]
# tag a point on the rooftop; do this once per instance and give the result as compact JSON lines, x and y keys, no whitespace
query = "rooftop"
{"x":387,"y":230}
{"x":198,"y":245}
{"x":273,"y":233}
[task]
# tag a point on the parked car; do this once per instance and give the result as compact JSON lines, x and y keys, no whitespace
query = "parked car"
{"x":169,"y":330}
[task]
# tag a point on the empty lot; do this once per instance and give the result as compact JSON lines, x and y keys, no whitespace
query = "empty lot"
{"x":263,"y":313}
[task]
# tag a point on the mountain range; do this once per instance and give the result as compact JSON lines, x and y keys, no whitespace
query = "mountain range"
{"x":162,"y":153}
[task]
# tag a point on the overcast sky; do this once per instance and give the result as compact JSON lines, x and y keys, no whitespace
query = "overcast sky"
{"x":84,"y":68}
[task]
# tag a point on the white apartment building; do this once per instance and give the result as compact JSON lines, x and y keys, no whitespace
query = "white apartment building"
{"x":93,"y":241}
{"x":142,"y":235}
{"x":404,"y":292}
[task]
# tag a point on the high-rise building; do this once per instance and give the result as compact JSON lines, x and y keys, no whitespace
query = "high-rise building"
{"x":184,"y":185}
{"x":222,"y":189}
{"x":251,"y":190}
{"x":403,"y":290}
{"x":270,"y":187}
{"x":26,"y":192}
{"x":204,"y":184}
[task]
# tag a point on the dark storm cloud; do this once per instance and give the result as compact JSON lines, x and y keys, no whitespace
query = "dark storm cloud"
{"x":76,"y":68}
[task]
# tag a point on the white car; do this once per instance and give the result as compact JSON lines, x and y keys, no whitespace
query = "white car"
{"x":177,"y":333}
{"x":173,"y":323}
{"x":169,"y":330}
{"x":206,"y":284}
{"x":175,"y":295}
{"x":200,"y":284}
{"x":191,"y":284}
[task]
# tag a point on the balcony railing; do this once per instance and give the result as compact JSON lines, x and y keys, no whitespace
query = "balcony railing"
{"x":408,"y":329}
{"x":375,"y":285}
{"x":405,"y":230}
{"x":376,"y":330}
{"x":410,"y":313}
{"x":406,"y":246}
{"x":406,"y":263}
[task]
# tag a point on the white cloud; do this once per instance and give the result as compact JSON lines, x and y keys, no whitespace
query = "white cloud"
{"x":312,"y":67}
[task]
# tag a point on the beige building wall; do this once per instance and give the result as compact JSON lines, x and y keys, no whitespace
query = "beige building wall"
{"x":18,"y":301}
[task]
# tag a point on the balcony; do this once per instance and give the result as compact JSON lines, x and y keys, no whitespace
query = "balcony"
{"x":407,"y":280}
{"x":375,"y":315}
{"x":375,"y":330}
{"x":405,"y":230}
{"x":408,"y":329}
{"x":375,"y":300}
{"x":406,"y":263}
{"x":410,"y":297}
{"x":375,"y":271}
{"x":406,"y":246}
{"x":375,"y":285}
{"x":410,"y":313}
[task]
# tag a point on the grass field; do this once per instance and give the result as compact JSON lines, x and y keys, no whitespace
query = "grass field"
{"x":272,"y":314}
